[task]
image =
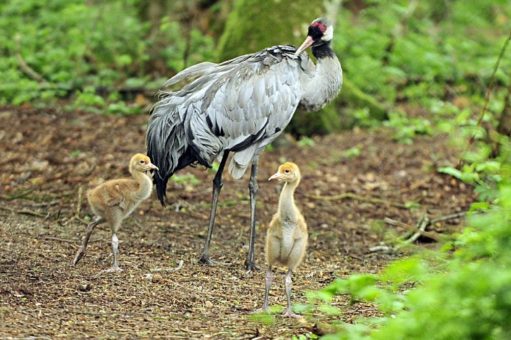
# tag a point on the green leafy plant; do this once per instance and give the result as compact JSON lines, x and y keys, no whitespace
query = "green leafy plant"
{"x":62,"y":47}
{"x":440,"y":296}
{"x":306,"y":142}
{"x":186,"y":179}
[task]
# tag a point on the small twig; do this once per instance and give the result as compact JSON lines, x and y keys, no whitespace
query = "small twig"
{"x":448,"y":217}
{"x":79,"y":219}
{"x":421,"y":226}
{"x":24,"y":212}
{"x":57,"y":239}
{"x":356,"y":257}
{"x":419,"y":230}
{"x":429,"y":234}
{"x":159,"y":270}
{"x":29,"y":71}
{"x":383,"y":248}
{"x":349,"y":195}
{"x":15,"y":196}
{"x":44,"y":204}
{"x":489,"y":91}
{"x":79,"y":201}
{"x":137,"y":222}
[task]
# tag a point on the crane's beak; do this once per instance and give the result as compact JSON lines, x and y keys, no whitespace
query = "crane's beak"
{"x":306,"y":44}
{"x":275,"y":176}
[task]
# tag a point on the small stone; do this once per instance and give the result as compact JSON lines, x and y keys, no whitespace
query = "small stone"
{"x":85,"y":287}
{"x":209,"y":304}
{"x":38,"y":165}
{"x":370,"y":177}
{"x":156,"y":278}
{"x":83,"y":168}
{"x":18,"y":137}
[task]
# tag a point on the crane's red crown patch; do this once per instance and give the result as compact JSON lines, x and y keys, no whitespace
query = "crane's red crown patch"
{"x":319,"y":25}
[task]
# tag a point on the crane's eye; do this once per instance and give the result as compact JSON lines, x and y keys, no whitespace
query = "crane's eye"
{"x":286,"y":171}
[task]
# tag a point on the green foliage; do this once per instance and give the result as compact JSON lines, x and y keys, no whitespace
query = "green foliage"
{"x":59,"y":48}
{"x":351,"y":152}
{"x":391,"y":52}
{"x":186,"y":179}
{"x":406,"y":47}
{"x":406,"y":128}
{"x":461,"y":292}
{"x":306,"y":142}
{"x":254,"y":25}
{"x":421,"y":53}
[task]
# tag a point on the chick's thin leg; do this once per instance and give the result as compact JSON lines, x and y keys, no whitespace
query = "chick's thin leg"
{"x":289,"y":282}
{"x":253,"y":188}
{"x":115,"y":223}
{"x":85,"y":241}
{"x":217,"y":187}
{"x":268,"y":280}
{"x":115,"y":251}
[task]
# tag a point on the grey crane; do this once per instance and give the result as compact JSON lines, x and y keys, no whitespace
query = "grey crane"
{"x":238,"y":107}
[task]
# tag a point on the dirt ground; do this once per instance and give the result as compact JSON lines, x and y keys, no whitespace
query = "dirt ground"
{"x":50,"y":158}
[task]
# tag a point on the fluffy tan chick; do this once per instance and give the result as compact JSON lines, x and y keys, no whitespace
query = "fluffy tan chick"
{"x":286,"y":239}
{"x":116,"y":199}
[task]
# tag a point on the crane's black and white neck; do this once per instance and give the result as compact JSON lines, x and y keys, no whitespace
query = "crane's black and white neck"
{"x":324,"y":81}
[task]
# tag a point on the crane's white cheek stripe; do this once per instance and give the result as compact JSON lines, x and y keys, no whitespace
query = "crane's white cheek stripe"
{"x":329,"y":34}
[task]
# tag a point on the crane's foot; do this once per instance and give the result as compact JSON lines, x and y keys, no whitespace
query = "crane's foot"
{"x":288,"y":313}
{"x":263,"y":310}
{"x":113,"y":269}
{"x":206,"y":260}
{"x":251,"y":266}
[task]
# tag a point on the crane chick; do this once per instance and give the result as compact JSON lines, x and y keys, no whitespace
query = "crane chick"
{"x":286,"y":239}
{"x":114,"y":200}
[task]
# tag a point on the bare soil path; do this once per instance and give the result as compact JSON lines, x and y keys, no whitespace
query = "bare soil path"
{"x":48,"y":158}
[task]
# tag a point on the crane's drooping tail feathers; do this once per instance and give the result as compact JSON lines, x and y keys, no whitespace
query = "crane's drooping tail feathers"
{"x":240,"y":161}
{"x":166,"y":143}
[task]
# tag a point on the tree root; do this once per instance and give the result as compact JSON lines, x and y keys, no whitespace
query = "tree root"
{"x":418,"y":230}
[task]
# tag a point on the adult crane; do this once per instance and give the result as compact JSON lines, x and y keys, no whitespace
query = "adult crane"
{"x":238,"y":107}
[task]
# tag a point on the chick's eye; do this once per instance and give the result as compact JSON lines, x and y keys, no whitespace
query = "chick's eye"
{"x":142,"y":162}
{"x":286,"y":171}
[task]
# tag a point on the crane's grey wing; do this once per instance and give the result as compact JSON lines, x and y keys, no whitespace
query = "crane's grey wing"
{"x":251,"y":101}
{"x":189,"y":74}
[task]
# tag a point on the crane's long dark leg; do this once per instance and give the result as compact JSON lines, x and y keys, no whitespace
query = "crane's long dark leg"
{"x":253,"y":187}
{"x":217,"y":186}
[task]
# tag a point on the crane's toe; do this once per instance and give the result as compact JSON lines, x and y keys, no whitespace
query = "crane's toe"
{"x":288,"y":313}
{"x":251,"y":267}
{"x":262,"y":310}
{"x":206,"y":260}
{"x":113,"y":269}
